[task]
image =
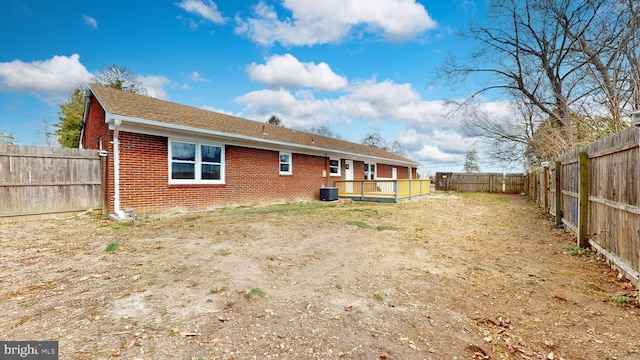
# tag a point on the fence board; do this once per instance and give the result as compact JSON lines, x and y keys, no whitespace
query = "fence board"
{"x":40,"y":181}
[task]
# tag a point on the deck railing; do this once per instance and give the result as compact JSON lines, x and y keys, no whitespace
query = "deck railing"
{"x":382,"y":190}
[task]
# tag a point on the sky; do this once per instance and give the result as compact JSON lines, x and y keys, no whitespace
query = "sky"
{"x":354,"y":66}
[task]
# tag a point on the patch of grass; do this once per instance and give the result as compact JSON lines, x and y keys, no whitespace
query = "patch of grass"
{"x":113,"y":246}
{"x":117,"y":224}
{"x":378,"y":296}
{"x":575,"y":250}
{"x":359,"y":224}
{"x":386,"y":227}
{"x":622,"y":300}
{"x":251,"y":294}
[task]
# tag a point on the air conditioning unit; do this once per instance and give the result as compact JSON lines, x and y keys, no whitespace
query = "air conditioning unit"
{"x":329,"y":194}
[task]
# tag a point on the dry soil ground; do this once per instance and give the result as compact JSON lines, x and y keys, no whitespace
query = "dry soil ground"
{"x":442,"y":277}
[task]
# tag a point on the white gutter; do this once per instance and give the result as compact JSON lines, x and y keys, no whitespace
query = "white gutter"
{"x":120,"y":215}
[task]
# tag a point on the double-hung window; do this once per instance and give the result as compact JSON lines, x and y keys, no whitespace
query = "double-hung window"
{"x":285,"y":164}
{"x":194,"y":163}
{"x":334,"y":167}
{"x":369,"y":171}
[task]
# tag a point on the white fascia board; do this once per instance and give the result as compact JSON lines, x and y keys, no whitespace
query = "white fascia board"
{"x":175,"y":131}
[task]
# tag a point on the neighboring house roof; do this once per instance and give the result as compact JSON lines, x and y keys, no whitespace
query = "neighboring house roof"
{"x":143,"y":110}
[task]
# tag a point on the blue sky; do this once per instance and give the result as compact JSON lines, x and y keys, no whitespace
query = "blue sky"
{"x":354,"y":66}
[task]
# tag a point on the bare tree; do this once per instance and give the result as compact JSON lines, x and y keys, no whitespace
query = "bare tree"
{"x":8,"y":138}
{"x":322,"y":130}
{"x":120,"y":77}
{"x":397,"y":148}
{"x":374,"y":139}
{"x":570,"y":64}
{"x":49,"y":135}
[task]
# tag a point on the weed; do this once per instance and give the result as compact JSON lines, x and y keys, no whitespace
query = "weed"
{"x":621,"y":299}
{"x":113,"y":246}
{"x":359,"y":224}
{"x":224,"y":252}
{"x":378,"y":297}
{"x":253,"y":293}
{"x":339,"y":286}
{"x":575,"y":250}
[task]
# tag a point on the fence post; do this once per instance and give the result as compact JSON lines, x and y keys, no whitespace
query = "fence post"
{"x":545,"y":187}
{"x":583,"y":205}
{"x":558,"y":197}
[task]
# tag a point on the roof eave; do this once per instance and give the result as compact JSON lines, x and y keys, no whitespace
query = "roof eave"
{"x":251,"y":139}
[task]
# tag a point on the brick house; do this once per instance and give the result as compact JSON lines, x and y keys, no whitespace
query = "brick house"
{"x":165,"y":156}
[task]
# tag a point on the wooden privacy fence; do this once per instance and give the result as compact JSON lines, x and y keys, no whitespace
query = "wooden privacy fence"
{"x":595,"y":192}
{"x":40,"y":182}
{"x":480,"y":182}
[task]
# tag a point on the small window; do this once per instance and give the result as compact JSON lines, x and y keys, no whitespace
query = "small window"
{"x":369,"y":171}
{"x":195,"y":163}
{"x":285,"y":163}
{"x":334,"y":167}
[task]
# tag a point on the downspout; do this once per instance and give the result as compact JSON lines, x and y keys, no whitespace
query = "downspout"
{"x":119,"y":214}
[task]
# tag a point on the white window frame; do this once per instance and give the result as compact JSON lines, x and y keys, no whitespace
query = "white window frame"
{"x":197,"y":164}
{"x":338,"y":168}
{"x":290,"y":163}
{"x":367,"y":171}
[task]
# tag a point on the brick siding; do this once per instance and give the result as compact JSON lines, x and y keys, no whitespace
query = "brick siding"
{"x":251,"y":175}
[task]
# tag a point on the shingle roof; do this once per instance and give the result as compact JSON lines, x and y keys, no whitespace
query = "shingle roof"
{"x":118,"y":102}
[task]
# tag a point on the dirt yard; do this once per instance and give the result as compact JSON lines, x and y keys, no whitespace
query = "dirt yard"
{"x":442,"y":277}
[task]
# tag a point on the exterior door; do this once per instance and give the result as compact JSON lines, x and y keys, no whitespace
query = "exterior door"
{"x":348,"y":174}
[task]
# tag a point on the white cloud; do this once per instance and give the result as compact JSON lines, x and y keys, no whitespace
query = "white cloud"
{"x":195,"y":76}
{"x":214,"y":109}
{"x":91,"y":21}
{"x":54,"y":77}
{"x":327,"y":21}
{"x":431,"y":129}
{"x":288,"y":72}
{"x":206,"y":9}
{"x":155,"y":86}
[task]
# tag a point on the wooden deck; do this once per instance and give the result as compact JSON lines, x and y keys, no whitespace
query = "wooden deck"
{"x":382,"y":190}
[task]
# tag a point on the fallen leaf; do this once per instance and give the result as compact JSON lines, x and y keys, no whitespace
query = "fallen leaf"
{"x":548,"y":343}
{"x":348,"y":308}
{"x":559,"y":297}
{"x":225,"y":319}
{"x":208,"y":340}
